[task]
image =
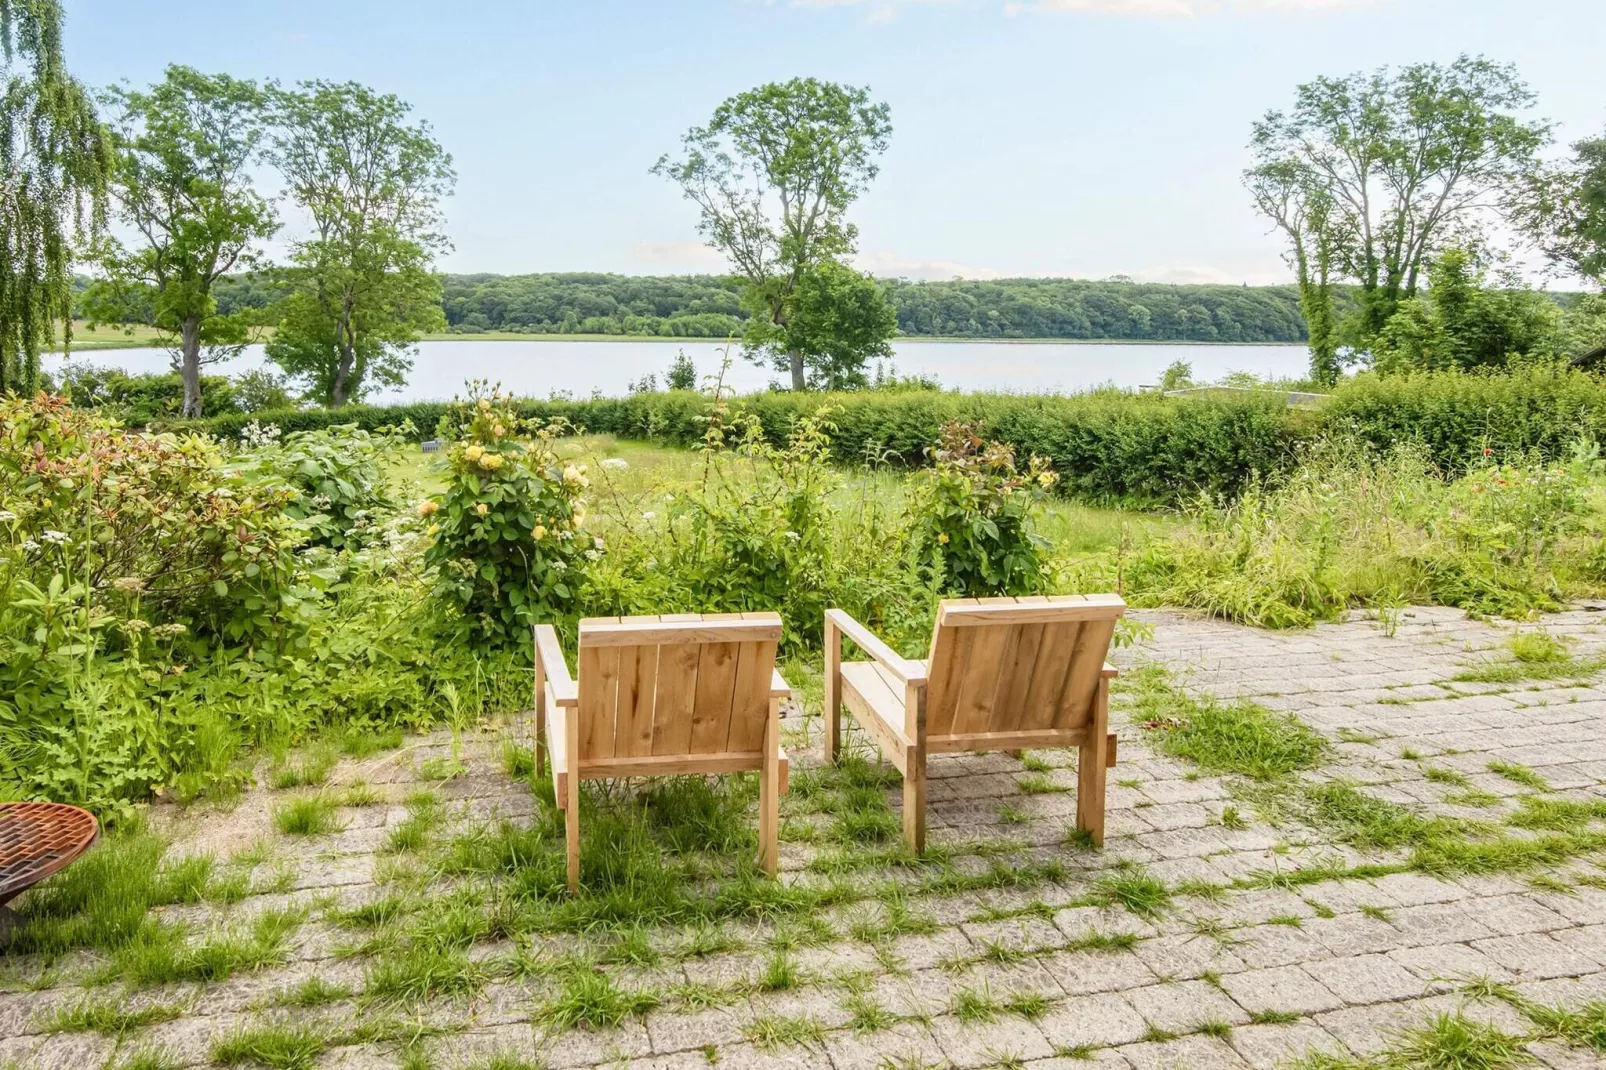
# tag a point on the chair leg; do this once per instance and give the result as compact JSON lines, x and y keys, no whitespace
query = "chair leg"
{"x":1092,"y":769}
{"x":914,"y":801}
{"x":833,"y":691}
{"x":571,"y":817}
{"x":769,"y":794}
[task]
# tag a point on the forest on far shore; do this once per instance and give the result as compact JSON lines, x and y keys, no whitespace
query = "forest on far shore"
{"x":710,"y":306}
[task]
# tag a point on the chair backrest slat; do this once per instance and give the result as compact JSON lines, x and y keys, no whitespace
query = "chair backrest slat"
{"x":692,"y":685}
{"x":1017,"y":665}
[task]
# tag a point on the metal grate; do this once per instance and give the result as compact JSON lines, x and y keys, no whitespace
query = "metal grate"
{"x":37,"y":839}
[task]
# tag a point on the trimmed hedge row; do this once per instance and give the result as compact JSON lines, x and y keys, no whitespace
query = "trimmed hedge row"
{"x":1105,"y":444}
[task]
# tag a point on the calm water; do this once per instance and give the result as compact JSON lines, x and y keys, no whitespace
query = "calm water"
{"x":538,"y":368}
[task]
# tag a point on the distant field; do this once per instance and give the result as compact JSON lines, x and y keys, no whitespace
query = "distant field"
{"x":519,"y":336}
{"x":108,"y":336}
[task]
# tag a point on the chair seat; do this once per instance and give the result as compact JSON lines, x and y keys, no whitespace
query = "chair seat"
{"x":876,"y":696}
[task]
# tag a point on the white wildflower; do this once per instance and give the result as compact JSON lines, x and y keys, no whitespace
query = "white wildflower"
{"x":7,"y":516}
{"x":558,"y":565}
{"x":616,"y":462}
{"x":648,"y":515}
{"x":794,"y":536}
{"x":57,"y":537}
{"x":30,"y":545}
{"x":593,"y":555}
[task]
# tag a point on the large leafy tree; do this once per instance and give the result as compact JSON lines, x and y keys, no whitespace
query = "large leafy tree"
{"x":361,"y":288}
{"x":773,"y":174}
{"x":181,"y":179}
{"x":1388,"y":167}
{"x":1563,"y":208}
{"x":52,"y":188}
{"x":835,"y":318}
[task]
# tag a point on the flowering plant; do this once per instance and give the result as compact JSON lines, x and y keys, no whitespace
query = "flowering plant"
{"x":969,"y":520}
{"x":508,"y":533}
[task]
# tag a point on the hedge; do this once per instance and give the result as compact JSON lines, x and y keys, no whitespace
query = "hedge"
{"x":1106,"y":444}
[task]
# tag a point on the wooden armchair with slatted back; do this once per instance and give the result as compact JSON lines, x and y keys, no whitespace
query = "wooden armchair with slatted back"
{"x":662,"y":696}
{"x":1004,"y":674}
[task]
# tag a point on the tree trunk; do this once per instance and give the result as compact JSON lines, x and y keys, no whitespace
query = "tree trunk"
{"x":799,"y":383}
{"x":339,"y":383}
{"x":338,"y":386}
{"x":190,"y":364}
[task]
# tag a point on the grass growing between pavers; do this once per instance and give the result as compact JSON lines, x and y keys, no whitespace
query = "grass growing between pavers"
{"x":1269,"y":752}
{"x":1450,"y":1040}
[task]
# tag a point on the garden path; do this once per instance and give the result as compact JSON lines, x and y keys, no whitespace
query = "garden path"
{"x":1223,"y":966}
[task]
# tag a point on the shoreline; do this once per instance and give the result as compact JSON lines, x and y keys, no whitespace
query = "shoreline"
{"x":81,"y":345}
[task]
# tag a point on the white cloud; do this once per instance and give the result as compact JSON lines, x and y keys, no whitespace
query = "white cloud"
{"x":889,"y":265}
{"x":692,"y":253}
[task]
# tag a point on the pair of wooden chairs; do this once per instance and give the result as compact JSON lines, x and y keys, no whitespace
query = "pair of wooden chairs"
{"x":699,"y":693}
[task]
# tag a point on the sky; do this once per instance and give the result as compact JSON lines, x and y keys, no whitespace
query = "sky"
{"x":1081,"y":138}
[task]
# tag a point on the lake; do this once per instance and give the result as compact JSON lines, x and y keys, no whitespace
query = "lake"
{"x":538,"y":368}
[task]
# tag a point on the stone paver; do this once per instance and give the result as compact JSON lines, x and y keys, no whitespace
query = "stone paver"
{"x":1051,"y":977}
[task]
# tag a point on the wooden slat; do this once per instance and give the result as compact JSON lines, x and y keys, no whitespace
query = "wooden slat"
{"x":957,"y":614}
{"x":628,"y":632}
{"x":676,"y":693}
{"x":1045,"y":738}
{"x":638,"y":672}
{"x":550,"y":653}
{"x":1052,"y":667}
{"x":779,"y":688}
{"x":979,"y":687}
{"x":1087,"y":663}
{"x":557,"y":750}
{"x":750,"y":698}
{"x":599,"y":690}
{"x":1015,"y":681}
{"x":950,"y":654}
{"x":672,"y":764}
{"x":716,"y":686}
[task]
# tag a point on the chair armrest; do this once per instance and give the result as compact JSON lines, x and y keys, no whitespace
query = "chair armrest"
{"x":779,"y":688}
{"x":1110,"y":672}
{"x":910,"y":672}
{"x":549,"y":655}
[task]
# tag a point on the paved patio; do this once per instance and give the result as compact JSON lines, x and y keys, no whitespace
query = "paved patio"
{"x":1254,"y":977}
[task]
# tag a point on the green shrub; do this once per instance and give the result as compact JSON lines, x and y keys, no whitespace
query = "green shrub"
{"x":971,"y":513}
{"x":337,"y":474}
{"x":508,"y":547}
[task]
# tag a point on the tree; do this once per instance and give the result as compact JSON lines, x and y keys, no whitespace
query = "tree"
{"x":1564,"y":210}
{"x":181,"y":153}
{"x":1393,"y":164}
{"x":773,"y":174}
{"x":1461,"y":322}
{"x":1293,"y":197}
{"x":834,"y":320}
{"x":361,"y":288}
{"x":52,"y":191}
{"x":682,"y":374}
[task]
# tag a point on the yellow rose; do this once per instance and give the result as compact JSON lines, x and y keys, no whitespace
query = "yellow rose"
{"x":433,"y":528}
{"x":473,"y":453}
{"x":578,"y":518}
{"x":491,"y":461}
{"x":498,"y":430}
{"x":482,"y":508}
{"x":485,"y":406}
{"x":428,"y":508}
{"x":942,"y":537}
{"x":540,"y":531}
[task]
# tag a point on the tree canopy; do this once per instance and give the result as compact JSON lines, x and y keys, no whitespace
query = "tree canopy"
{"x":1381,"y":170}
{"x":54,"y":158}
{"x":182,"y":150}
{"x":360,"y":286}
{"x":773,"y":174}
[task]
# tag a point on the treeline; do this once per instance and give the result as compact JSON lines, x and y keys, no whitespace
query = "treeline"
{"x":1107,"y":444}
{"x":710,"y":306}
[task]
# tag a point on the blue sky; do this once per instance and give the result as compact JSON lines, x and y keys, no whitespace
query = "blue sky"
{"x":1065,"y":137}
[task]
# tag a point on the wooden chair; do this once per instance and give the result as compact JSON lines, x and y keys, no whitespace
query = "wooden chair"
{"x":662,"y":696}
{"x":1004,"y":674}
